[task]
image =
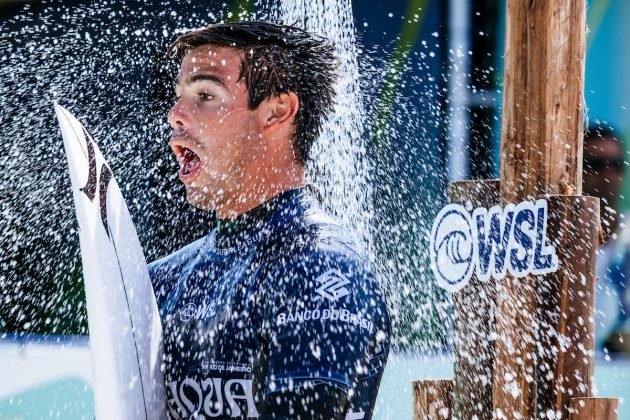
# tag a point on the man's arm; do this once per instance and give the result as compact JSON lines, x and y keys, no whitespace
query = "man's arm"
{"x":327,"y":337}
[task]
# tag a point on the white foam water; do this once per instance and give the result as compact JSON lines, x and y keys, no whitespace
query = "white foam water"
{"x":339,"y":167}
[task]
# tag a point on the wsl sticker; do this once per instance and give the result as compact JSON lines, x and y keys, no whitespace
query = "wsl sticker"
{"x":496,"y":241}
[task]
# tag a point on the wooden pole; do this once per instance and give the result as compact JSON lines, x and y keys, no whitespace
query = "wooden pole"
{"x":432,"y":399}
{"x":594,"y":409}
{"x":565,"y":307}
{"x":541,"y":154}
{"x":543,"y":91}
{"x":474,"y":320}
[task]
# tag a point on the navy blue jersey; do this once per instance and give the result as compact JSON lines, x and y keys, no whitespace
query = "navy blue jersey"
{"x":272,"y":315}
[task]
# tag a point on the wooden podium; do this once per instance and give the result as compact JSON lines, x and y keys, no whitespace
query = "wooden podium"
{"x":524,"y":347}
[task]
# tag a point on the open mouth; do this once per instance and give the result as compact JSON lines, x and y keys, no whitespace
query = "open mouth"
{"x":189,"y":160}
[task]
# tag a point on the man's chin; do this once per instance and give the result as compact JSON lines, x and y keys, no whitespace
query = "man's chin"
{"x":200,"y":200}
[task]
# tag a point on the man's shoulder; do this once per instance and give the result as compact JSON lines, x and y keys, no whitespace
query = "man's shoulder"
{"x":316,"y":249}
{"x":176,"y":259}
{"x":315,"y":233}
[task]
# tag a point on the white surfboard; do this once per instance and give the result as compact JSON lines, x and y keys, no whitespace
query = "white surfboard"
{"x":123,"y":318}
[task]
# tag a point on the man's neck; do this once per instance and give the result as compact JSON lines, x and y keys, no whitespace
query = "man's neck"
{"x":275,"y":172}
{"x":248,"y":201}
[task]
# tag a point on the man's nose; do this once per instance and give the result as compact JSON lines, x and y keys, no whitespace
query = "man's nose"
{"x":177,"y":116}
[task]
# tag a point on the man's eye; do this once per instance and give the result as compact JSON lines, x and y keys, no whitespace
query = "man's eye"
{"x":204,"y":96}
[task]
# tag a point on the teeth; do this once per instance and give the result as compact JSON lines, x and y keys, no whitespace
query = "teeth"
{"x":190,"y":161}
{"x":188,"y":155}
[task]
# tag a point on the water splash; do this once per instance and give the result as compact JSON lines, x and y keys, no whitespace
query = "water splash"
{"x":105,"y":63}
{"x":371,"y":167}
{"x":340,"y":167}
{"x":107,"y":66}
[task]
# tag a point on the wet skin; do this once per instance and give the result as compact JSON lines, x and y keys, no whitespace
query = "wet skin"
{"x":232,"y":158}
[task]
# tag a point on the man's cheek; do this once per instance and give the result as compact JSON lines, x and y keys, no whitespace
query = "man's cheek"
{"x":222,"y":115}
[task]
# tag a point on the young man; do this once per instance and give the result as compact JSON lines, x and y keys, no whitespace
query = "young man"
{"x":274,"y":313}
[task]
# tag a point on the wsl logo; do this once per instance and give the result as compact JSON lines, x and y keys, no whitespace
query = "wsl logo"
{"x":452,"y":247}
{"x":492,"y":241}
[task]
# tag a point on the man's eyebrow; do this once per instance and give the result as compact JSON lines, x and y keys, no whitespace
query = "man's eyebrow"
{"x":203,"y":77}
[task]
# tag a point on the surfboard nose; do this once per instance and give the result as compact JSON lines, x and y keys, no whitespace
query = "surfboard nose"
{"x":59,"y":110}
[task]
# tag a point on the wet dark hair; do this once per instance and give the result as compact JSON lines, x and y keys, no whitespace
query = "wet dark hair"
{"x":594,"y":164}
{"x":277,"y":59}
{"x":599,"y":131}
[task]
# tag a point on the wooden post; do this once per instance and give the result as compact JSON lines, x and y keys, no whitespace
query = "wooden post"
{"x":474,"y":321}
{"x":594,"y":409}
{"x":565,"y":306}
{"x":432,"y":399}
{"x":541,"y":154}
{"x":543,"y":95}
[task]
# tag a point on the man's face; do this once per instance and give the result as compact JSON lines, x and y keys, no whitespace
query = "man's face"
{"x":603,"y":169}
{"x":603,"y":177}
{"x":216,"y":137}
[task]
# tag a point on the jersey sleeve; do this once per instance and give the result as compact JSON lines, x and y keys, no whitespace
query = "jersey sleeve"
{"x":327,"y":330}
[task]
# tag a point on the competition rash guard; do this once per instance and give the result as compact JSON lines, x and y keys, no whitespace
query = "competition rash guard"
{"x":272,"y":315}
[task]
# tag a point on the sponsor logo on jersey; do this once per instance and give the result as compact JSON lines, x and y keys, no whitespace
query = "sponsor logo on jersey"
{"x":332,"y":285}
{"x":211,"y":397}
{"x":191,"y":311}
{"x":341,"y":315}
{"x":205,"y":367}
{"x":245,"y":243}
{"x":220,"y":366}
{"x":187,"y":312}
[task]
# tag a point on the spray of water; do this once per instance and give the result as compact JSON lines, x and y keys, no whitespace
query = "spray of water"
{"x":340,"y":167}
{"x":366,"y":180}
{"x":105,"y":63}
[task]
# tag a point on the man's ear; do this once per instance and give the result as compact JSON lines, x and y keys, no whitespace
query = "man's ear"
{"x":281,"y":110}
